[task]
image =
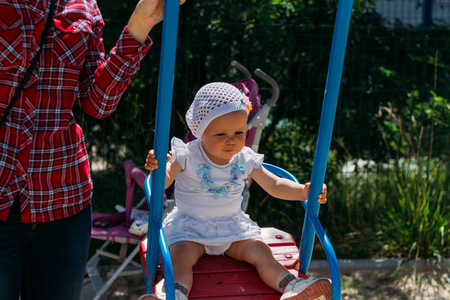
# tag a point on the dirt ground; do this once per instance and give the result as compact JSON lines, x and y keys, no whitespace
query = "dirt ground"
{"x":430,"y":283}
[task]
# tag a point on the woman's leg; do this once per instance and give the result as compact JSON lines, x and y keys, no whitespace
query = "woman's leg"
{"x":184,"y":256}
{"x":13,"y":237}
{"x":55,"y":258}
{"x":258,"y":254}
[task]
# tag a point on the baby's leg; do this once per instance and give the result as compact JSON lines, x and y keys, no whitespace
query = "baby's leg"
{"x":184,"y":256}
{"x":258,"y":254}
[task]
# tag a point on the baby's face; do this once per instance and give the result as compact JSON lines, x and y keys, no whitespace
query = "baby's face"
{"x":225,"y":136}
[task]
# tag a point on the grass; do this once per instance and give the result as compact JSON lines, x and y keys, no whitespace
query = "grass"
{"x":417,"y":221}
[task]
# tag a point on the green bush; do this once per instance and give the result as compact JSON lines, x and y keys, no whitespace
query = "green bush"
{"x":394,"y":86}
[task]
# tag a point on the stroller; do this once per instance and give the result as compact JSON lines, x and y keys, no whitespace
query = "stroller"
{"x":115,"y":228}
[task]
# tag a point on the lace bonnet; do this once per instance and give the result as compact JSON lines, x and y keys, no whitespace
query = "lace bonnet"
{"x":214,"y":100}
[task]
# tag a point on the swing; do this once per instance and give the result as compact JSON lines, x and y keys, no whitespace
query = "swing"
{"x":221,"y":274}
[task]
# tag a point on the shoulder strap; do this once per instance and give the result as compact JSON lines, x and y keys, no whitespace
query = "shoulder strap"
{"x":30,"y":69}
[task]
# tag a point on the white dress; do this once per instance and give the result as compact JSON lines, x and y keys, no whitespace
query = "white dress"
{"x":208,"y":198}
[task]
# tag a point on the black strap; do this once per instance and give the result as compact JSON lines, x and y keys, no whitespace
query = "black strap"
{"x":30,"y":69}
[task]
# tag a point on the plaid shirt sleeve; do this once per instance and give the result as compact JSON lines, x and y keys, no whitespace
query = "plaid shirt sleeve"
{"x":106,"y":81}
{"x":43,"y":157}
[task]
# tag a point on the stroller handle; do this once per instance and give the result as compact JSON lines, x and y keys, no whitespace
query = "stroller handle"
{"x":275,"y":88}
{"x":261,"y":74}
{"x":238,"y":66}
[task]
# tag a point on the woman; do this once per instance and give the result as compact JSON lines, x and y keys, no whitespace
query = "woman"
{"x":45,"y":183}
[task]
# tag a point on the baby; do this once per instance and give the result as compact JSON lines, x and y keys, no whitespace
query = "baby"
{"x":209,"y":178}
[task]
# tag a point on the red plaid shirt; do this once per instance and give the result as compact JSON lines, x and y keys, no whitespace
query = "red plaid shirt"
{"x":43,"y":158}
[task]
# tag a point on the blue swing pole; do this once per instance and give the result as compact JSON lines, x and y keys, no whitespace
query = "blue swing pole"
{"x":156,"y":241}
{"x":336,"y":62}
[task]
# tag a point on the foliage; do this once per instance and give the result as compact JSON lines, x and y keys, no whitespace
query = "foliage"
{"x":415,"y":219}
{"x":394,"y":85}
{"x":416,"y":211}
{"x":399,"y":207}
{"x":290,"y":41}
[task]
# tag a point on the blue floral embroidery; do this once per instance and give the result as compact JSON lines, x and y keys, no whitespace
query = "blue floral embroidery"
{"x":221,"y":191}
{"x":204,"y":169}
{"x":236,"y":168}
{"x":208,"y":184}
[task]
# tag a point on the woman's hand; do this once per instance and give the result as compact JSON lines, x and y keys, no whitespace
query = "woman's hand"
{"x":147,"y":14}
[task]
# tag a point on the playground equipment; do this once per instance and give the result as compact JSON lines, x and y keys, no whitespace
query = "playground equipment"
{"x":156,"y":243}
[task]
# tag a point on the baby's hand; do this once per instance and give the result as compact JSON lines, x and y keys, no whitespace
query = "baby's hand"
{"x":150,"y":162}
{"x":323,"y":196}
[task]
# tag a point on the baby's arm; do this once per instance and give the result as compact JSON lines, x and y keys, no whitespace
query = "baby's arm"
{"x":283,"y":188}
{"x":172,"y":166}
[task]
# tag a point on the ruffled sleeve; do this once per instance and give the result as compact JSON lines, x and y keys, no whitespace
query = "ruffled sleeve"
{"x":251,"y":159}
{"x":180,"y":150}
{"x":258,"y":160}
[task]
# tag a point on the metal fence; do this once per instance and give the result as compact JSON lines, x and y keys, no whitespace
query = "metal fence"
{"x":389,"y":74}
{"x":382,"y":66}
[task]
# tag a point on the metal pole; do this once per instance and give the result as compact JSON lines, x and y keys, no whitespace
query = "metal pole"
{"x":163,"y":113}
{"x":427,"y":9}
{"x":335,"y":67}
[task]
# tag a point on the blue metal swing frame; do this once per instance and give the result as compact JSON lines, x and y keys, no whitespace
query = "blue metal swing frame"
{"x":154,"y":189}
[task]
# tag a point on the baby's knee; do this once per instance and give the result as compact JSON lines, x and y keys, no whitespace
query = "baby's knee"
{"x":250,"y":251}
{"x":260,"y":246}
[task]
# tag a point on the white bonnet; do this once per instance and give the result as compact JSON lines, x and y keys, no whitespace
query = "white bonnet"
{"x":214,"y":100}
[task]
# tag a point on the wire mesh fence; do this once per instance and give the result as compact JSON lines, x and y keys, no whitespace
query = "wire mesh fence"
{"x":392,"y":119}
{"x":385,"y":69}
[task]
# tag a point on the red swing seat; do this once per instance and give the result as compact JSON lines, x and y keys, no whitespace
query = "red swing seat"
{"x":221,"y":277}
